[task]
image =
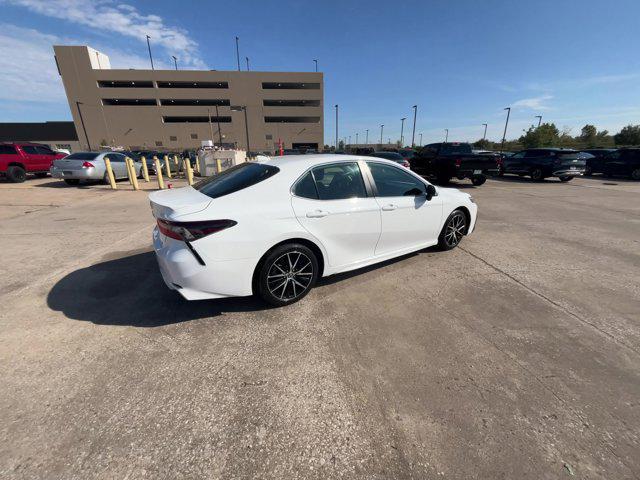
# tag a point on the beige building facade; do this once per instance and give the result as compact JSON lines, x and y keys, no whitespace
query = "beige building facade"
{"x":178,"y":109}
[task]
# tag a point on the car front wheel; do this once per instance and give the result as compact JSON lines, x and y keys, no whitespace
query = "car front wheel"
{"x":454,"y":229}
{"x":287,"y":274}
{"x":478,"y":180}
{"x":536,"y":175}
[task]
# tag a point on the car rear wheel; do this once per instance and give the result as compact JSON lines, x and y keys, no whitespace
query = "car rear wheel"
{"x":478,"y":180}
{"x":16,"y":174}
{"x":72,"y":181}
{"x":636,"y":174}
{"x":454,"y":229}
{"x":287,"y":274}
{"x":536,"y":175}
{"x":565,"y":178}
{"x":588,"y":171}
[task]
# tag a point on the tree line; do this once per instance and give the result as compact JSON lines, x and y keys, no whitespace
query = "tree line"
{"x":548,"y":135}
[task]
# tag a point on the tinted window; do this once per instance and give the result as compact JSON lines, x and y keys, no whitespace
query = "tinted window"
{"x":518,"y":155}
{"x":389,"y":156}
{"x":306,"y":187}
{"x":393,"y":182}
{"x":453,"y":149}
{"x":235,"y":179}
{"x":82,"y":156}
{"x":7,"y":150}
{"x":45,"y":151}
{"x":339,"y":181}
{"x":114,"y":157}
{"x":30,"y":149}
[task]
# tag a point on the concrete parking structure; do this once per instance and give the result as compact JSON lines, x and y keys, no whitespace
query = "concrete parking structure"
{"x":516,"y":355}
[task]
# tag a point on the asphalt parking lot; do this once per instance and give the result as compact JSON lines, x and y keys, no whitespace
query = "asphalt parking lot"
{"x":516,"y":355}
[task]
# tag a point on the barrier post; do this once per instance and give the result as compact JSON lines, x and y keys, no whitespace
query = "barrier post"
{"x":219,"y":165}
{"x":176,"y":163}
{"x":158,"y":173}
{"x":132,"y":173}
{"x":145,"y":170}
{"x":167,"y":166}
{"x":189,"y":171}
{"x":110,"y":176}
{"x":197,"y":169}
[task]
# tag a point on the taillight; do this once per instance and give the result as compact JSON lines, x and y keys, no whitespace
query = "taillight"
{"x":87,"y":165}
{"x":190,"y":231}
{"x":458,"y":162}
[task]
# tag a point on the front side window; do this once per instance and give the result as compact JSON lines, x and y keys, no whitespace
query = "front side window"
{"x":30,"y":149}
{"x":393,"y":182}
{"x":518,"y":155}
{"x":235,"y":178}
{"x":339,"y":181}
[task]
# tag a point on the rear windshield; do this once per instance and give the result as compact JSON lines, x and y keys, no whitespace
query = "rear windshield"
{"x":388,"y":155}
{"x":234,"y":179}
{"x":82,"y":156}
{"x":451,"y":149}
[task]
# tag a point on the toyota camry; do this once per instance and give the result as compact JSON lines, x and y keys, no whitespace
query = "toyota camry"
{"x":274,"y":228}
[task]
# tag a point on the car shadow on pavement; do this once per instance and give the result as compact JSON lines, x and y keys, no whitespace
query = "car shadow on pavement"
{"x":130,"y":291}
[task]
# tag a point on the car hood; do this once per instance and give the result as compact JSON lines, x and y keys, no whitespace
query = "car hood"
{"x":452,"y":194}
{"x":175,"y":202}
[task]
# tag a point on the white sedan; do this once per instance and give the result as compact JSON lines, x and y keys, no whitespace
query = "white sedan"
{"x":275,"y":228}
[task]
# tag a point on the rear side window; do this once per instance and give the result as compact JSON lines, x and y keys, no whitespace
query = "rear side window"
{"x":339,"y":181}
{"x":306,"y":187}
{"x":45,"y":151}
{"x":82,"y":156}
{"x":7,"y":150}
{"x":235,"y":179}
{"x":30,"y":149}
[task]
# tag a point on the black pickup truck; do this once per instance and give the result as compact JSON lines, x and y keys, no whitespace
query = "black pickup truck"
{"x":445,"y":161}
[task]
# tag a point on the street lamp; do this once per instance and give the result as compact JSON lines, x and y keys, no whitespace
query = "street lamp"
{"x":381,"y":130}
{"x":366,"y":142}
{"x":82,"y":122}
{"x":247,"y":59}
{"x":539,"y":117}
{"x":402,"y":130}
{"x":356,"y":139}
{"x":506,"y":124}
{"x":413,"y":135}
{"x":238,"y":108}
{"x":238,"y":52}
{"x":336,"y":127}
{"x":446,"y":135}
{"x":484,"y":137}
{"x":149,"y":47}
{"x":420,"y":139}
{"x":175,"y":61}
{"x":316,"y":62}
{"x":349,"y":140}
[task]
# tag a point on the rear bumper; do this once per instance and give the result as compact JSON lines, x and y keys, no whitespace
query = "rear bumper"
{"x":78,"y":174}
{"x":181,"y":271}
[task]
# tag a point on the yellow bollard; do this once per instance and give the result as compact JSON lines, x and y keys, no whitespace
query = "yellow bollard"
{"x":167,"y":166}
{"x":112,"y":179}
{"x":197,"y":168}
{"x":145,"y":170}
{"x":188,"y":171}
{"x":132,"y":173}
{"x":158,"y":173}
{"x":219,"y":165}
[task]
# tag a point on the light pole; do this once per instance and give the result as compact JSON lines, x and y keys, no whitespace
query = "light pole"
{"x":446,"y":135}
{"x":381,"y":130}
{"x":175,"y":61}
{"x":336,"y":127}
{"x":247,"y":58}
{"x":149,"y":47}
{"x":316,"y":62}
{"x":238,"y":108}
{"x":366,"y":142}
{"x":420,"y":139}
{"x":484,"y":137}
{"x":506,"y":124}
{"x":356,"y":139}
{"x":219,"y":129}
{"x":413,"y":135}
{"x":349,"y":140}
{"x":402,"y":130}
{"x":539,"y":117}
{"x":82,"y":122}
{"x":238,"y":52}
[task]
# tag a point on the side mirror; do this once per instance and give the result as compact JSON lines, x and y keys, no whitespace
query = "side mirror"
{"x":431,"y":191}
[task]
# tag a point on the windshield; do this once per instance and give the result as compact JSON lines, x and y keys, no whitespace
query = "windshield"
{"x":82,"y":156}
{"x":235,"y":179}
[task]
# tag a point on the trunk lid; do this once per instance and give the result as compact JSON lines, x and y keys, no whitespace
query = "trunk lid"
{"x":175,"y":202}
{"x":76,"y":160}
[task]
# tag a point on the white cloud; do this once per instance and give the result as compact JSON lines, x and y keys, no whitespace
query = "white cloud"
{"x":534,"y":103}
{"x":123,"y":19}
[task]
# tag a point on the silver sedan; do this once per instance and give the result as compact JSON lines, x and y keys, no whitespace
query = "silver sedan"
{"x":90,"y":166}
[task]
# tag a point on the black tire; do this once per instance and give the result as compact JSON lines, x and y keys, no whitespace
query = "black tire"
{"x":635,"y":174}
{"x":588,"y":171}
{"x":537,"y":175}
{"x":72,"y":181}
{"x":281,"y":281}
{"x":16,"y":174}
{"x":453,"y":230}
{"x":443,"y":179}
{"x":565,"y":178}
{"x":478,"y":180}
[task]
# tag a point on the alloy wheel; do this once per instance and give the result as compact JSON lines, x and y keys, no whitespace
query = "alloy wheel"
{"x":455,"y":229}
{"x":290,"y":275}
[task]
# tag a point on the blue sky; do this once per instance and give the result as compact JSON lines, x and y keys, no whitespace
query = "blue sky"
{"x":462,"y":62}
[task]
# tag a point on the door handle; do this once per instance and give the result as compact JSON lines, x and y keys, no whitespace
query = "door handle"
{"x":389,"y":207}
{"x":317,"y":214}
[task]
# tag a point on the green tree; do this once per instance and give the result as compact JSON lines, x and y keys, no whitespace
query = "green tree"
{"x":482,"y":144}
{"x":341,"y":145}
{"x":546,"y":135}
{"x":629,"y":135}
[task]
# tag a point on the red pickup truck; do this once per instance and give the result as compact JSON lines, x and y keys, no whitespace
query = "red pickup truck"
{"x":18,"y":159}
